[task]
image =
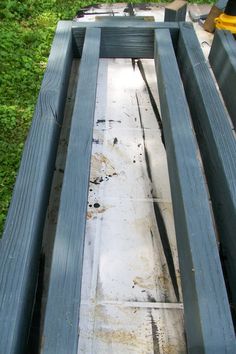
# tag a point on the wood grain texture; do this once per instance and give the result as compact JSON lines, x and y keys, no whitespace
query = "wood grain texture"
{"x":175,"y":11}
{"x":208,"y":321}
{"x":216,"y":140}
{"x":223,"y":62}
{"x":122,"y":40}
{"x":60,"y":333}
{"x":127,"y":19}
{"x":21,"y":243}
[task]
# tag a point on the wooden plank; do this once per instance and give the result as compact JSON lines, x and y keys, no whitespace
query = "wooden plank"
{"x":176,"y":11}
{"x":208,"y":321}
{"x":127,"y":19}
{"x":125,"y":41}
{"x":216,"y":139}
{"x":21,"y":242}
{"x":223,"y":62}
{"x":60,"y":333}
{"x":216,"y":11}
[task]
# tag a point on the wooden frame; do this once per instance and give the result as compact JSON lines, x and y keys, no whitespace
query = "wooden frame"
{"x":21,"y":243}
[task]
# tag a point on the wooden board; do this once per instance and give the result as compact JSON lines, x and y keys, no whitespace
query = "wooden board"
{"x":176,"y":11}
{"x":223,"y":62}
{"x":21,"y":241}
{"x":127,"y":19}
{"x":60,"y":334}
{"x":205,"y":298}
{"x":216,"y":140}
{"x":122,"y":40}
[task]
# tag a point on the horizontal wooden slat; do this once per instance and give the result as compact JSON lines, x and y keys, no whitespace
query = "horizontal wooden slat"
{"x":129,"y":20}
{"x":125,"y":40}
{"x":216,"y":139}
{"x":208,"y":321}
{"x":60,"y":333}
{"x":21,"y":243}
{"x":223,"y":62}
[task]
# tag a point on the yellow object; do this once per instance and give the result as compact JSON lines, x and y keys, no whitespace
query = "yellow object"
{"x":226,"y":22}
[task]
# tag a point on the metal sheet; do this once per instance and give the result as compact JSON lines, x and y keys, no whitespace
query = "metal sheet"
{"x":131,"y":292}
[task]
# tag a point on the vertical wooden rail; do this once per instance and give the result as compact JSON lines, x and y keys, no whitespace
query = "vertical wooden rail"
{"x":216,"y":140}
{"x":208,"y":321}
{"x":60,"y":334}
{"x":222,"y":58}
{"x":21,"y":242}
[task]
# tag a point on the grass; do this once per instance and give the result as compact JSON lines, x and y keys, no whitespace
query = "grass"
{"x":26,"y":31}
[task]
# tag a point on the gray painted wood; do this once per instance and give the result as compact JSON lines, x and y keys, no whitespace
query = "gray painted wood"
{"x":21,"y":242}
{"x":60,"y":333}
{"x":216,"y":140}
{"x":121,"y":40}
{"x":175,"y":11}
{"x":208,"y":321}
{"x":127,"y":19}
{"x":223,"y":62}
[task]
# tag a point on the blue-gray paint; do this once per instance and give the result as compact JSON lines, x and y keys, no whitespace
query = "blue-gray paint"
{"x":122,"y":40}
{"x":60,"y":333}
{"x":175,"y":13}
{"x":216,"y":140}
{"x":208,"y":322}
{"x":21,"y":242}
{"x":223,"y":62}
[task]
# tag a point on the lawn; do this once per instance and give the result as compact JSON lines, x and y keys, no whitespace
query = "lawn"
{"x":26,"y":32}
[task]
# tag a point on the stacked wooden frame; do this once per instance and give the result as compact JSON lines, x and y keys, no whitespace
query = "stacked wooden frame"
{"x":176,"y":52}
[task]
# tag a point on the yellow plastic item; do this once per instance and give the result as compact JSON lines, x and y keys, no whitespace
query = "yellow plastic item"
{"x":226,"y":22}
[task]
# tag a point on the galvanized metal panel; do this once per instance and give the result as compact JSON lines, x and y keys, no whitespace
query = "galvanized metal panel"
{"x":128,"y":300}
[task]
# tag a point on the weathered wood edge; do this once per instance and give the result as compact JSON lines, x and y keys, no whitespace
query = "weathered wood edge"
{"x":208,"y":320}
{"x":129,"y":20}
{"x":175,"y":12}
{"x":77,"y":26}
{"x":216,"y":140}
{"x":21,"y":243}
{"x":223,"y":62}
{"x":122,"y":40}
{"x":60,"y":333}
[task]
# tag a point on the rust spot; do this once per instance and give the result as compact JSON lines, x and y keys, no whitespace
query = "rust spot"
{"x":145,"y":283}
{"x":101,"y":168}
{"x":95,"y":211}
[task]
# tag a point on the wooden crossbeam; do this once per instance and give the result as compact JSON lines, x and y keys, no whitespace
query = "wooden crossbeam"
{"x":127,"y":19}
{"x":216,"y":139}
{"x":205,"y":298}
{"x":223,"y":62}
{"x":62,"y":312}
{"x":21,"y":241}
{"x":124,"y":40}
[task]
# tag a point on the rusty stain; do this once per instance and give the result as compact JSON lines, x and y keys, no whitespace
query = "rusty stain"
{"x":169,"y":349}
{"x":119,"y":336}
{"x":101,"y":168}
{"x":92,"y":213}
{"x":145,"y":283}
